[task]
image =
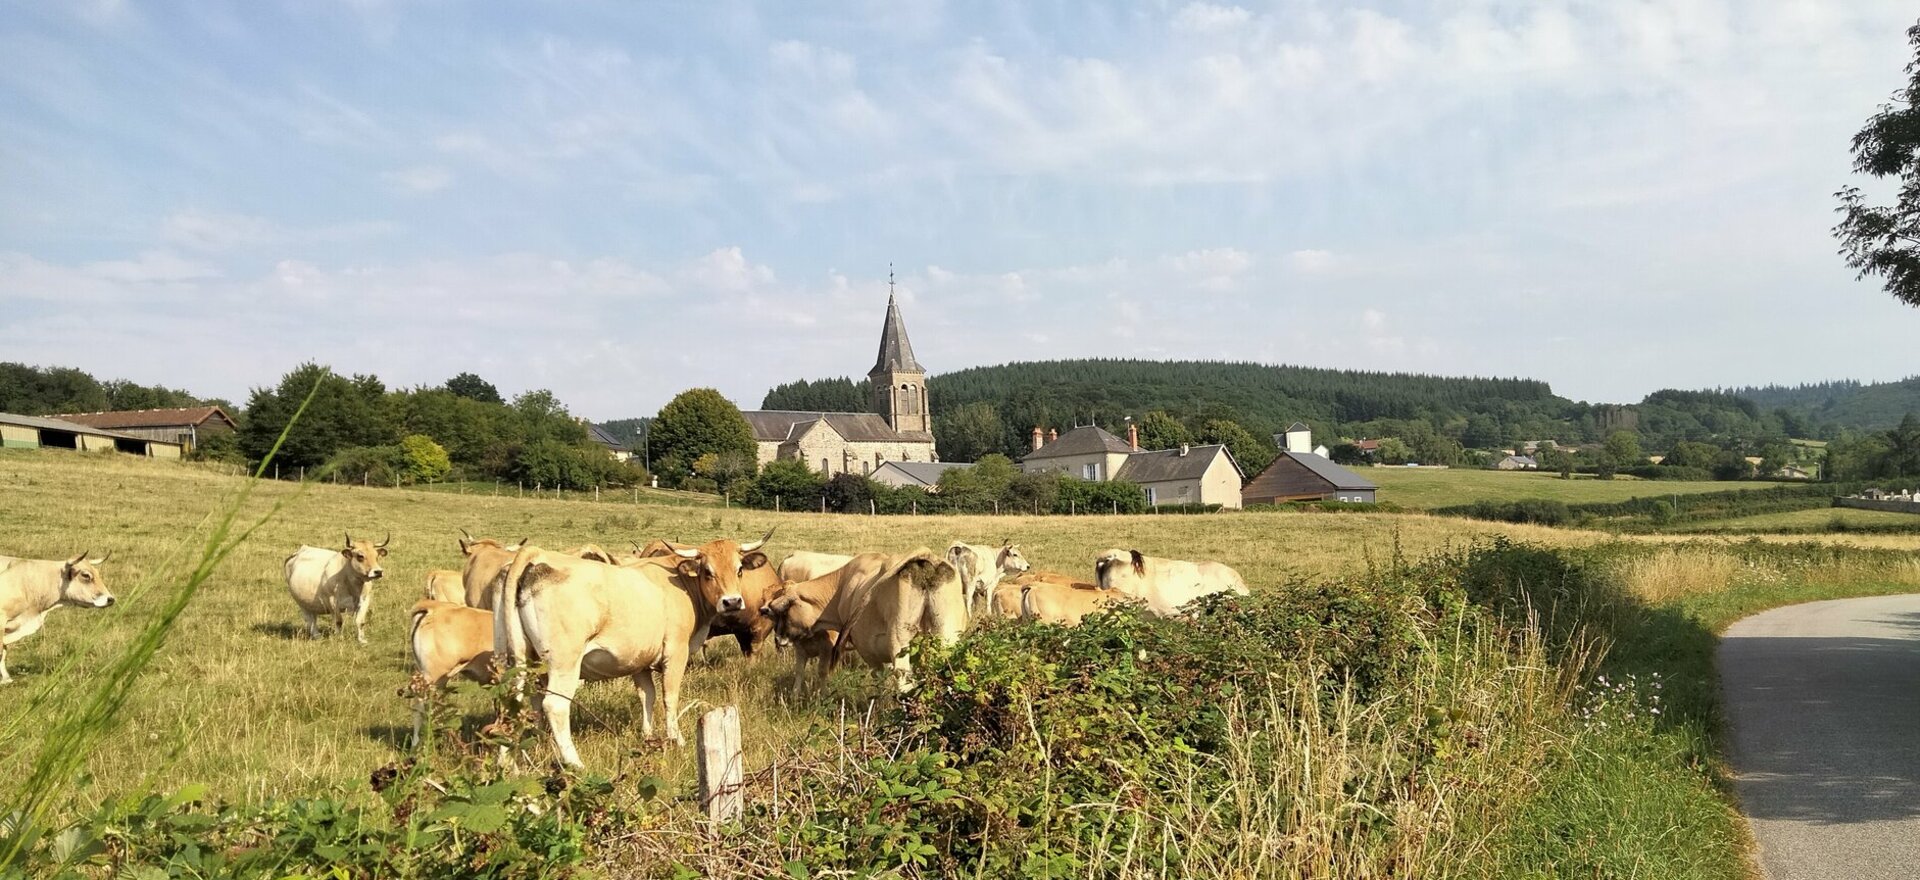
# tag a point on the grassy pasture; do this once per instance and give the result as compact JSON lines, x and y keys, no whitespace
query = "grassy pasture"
{"x":1427,"y":488}
{"x":1835,"y":518}
{"x":239,"y":699}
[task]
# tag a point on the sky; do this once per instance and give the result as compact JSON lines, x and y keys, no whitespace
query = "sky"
{"x":617,"y":201}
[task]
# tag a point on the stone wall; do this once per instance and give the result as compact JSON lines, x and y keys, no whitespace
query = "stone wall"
{"x":1888,"y":506}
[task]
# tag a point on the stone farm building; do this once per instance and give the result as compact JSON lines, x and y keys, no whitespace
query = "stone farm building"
{"x":36,"y":432}
{"x":183,"y":426}
{"x":923,"y":474}
{"x":1187,"y":475}
{"x":900,"y":427}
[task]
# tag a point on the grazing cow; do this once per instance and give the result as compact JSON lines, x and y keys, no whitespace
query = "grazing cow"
{"x":29,"y":588}
{"x":445,"y":585}
{"x":449,"y":639}
{"x":983,"y":568}
{"x":487,"y":561}
{"x":1164,"y":584}
{"x":591,"y":622}
{"x":805,"y":565}
{"x":730,"y":582}
{"x":878,"y":603}
{"x":336,"y":582}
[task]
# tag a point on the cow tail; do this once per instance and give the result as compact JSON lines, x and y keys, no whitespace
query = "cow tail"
{"x":1026,"y":602}
{"x":507,"y":627}
{"x":420,"y":611}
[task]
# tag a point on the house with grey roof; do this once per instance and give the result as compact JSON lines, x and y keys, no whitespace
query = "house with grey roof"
{"x":920,"y":474}
{"x":1187,"y":475}
{"x":620,"y":451}
{"x":899,"y":429}
{"x":1304,"y":476}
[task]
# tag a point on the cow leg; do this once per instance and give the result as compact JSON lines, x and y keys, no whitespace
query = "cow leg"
{"x":670,"y":675}
{"x":360,"y":621}
{"x":649,"y":699}
{"x":5,"y":678}
{"x":746,"y":643}
{"x":339,"y":623}
{"x":903,"y":669}
{"x":313,"y":625}
{"x":563,"y":681}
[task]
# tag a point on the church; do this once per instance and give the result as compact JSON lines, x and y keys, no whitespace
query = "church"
{"x":900,"y":427}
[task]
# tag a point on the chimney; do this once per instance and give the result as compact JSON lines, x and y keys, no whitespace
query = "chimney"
{"x":1053,"y":435}
{"x":1133,"y":436}
{"x":1183,"y":450}
{"x":1039,"y":439}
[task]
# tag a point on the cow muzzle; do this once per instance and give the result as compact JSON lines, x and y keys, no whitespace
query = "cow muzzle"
{"x":102,"y":601}
{"x":376,"y":574}
{"x":729,"y":604}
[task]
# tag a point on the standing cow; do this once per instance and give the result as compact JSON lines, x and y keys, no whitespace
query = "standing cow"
{"x":29,"y":588}
{"x":731,"y":581}
{"x":982,"y":569}
{"x":878,"y":603}
{"x":1164,"y":584}
{"x":336,"y":582}
{"x":487,"y":561}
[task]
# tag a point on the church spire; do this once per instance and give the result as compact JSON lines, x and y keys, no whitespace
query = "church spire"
{"x":896,"y":353}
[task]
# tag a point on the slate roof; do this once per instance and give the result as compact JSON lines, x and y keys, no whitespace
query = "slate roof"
{"x":1340,"y":477}
{"x":1088,"y":440}
{"x":924,"y":472}
{"x":779,"y":426}
{"x":147,"y":418}
{"x":896,"y":353}
{"x":52,"y":424}
{"x":599,"y":435}
{"x":1297,"y":426}
{"x":1162,"y":465}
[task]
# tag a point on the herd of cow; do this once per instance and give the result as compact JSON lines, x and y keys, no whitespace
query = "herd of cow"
{"x":592,"y":615}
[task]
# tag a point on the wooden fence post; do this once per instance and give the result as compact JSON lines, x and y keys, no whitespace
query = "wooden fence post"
{"x":721,"y":773}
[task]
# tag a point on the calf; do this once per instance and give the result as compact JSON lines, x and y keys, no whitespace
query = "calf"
{"x":336,"y":582}
{"x":982,"y":568}
{"x":30,"y":588}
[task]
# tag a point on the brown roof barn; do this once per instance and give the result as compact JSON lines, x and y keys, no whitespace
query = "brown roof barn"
{"x":182,"y":425}
{"x":1303,"y":476}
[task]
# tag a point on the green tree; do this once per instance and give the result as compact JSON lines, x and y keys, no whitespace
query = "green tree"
{"x":1731,"y":465}
{"x":785,"y":484}
{"x":1623,"y":447}
{"x":1553,"y":458}
{"x":1252,"y":453}
{"x":1903,"y":448}
{"x":426,"y":461}
{"x":1347,"y":453}
{"x":1161,"y":431}
{"x":1483,"y":432}
{"x":1393,"y":450}
{"x":694,"y":423}
{"x":969,"y":432}
{"x":849,"y":493}
{"x":1885,"y":241}
{"x":473,"y":387}
{"x":978,"y":488}
{"x":1690,"y":454}
{"x":343,"y":413}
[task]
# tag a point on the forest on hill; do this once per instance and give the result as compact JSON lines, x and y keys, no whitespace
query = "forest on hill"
{"x":1846,"y":403}
{"x":1008,"y":400}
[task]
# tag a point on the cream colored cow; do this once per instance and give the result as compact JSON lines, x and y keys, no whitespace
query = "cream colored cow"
{"x":982,"y":569}
{"x":591,"y":622}
{"x":336,"y":582}
{"x":805,"y":565}
{"x":30,"y":588}
{"x":448,"y":639}
{"x":879,"y":603}
{"x":1164,"y":584}
{"x":445,"y":585}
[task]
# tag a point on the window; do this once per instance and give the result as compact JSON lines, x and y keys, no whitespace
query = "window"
{"x":1186,"y":491}
{"x":1090,"y":471}
{"x":1151,"y":497}
{"x":866,"y":467}
{"x":823,"y":466}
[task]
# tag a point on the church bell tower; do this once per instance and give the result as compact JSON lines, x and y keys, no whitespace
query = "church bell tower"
{"x":899,"y":382}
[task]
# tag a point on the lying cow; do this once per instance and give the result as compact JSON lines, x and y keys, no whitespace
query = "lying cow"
{"x":1164,"y":584}
{"x":30,"y":588}
{"x":1065,"y":604}
{"x":591,"y":622}
{"x":336,"y":582}
{"x":878,"y":603}
{"x":449,"y":639}
{"x":1006,"y":596}
{"x":983,"y":568}
{"x":445,"y":585}
{"x":805,"y":565}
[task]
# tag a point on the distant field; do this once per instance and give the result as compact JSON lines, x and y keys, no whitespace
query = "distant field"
{"x":1823,"y":517}
{"x":1429,"y":488}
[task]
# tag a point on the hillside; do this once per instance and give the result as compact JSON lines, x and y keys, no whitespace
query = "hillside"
{"x":1842,"y":404}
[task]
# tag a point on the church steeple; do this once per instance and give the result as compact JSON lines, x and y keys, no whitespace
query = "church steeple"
{"x":899,"y":382}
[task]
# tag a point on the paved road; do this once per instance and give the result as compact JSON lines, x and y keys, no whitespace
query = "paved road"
{"x":1823,"y":701}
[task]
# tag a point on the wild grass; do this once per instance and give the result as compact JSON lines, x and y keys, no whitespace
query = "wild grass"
{"x":1432,"y":488}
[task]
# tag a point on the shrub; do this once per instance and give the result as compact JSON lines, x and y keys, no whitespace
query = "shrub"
{"x":425,"y":461}
{"x":378,"y":465}
{"x":786,"y":484}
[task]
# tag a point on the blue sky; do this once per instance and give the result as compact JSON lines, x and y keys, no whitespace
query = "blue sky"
{"x":620,"y":200}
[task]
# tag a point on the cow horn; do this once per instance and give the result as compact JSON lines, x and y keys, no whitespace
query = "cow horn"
{"x":749,"y":548}
{"x":78,"y":559}
{"x":102,"y":559}
{"x":349,"y":538}
{"x":636,"y":546}
{"x":384,"y":541}
{"x":687,"y":554}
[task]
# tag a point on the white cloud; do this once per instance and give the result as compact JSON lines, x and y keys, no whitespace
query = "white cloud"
{"x":1310,"y":261}
{"x":1210,"y":18}
{"x":419,"y":179}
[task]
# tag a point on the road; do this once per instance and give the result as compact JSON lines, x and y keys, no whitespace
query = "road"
{"x":1823,"y":706}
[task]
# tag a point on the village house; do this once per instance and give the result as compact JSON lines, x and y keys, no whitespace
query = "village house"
{"x":1306,"y":476}
{"x":919,"y":474}
{"x":1186,"y":475}
{"x":1511,"y":462}
{"x":900,"y":428}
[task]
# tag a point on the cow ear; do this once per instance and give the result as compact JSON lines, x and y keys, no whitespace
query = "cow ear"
{"x":752,"y":561}
{"x":1139,"y":563}
{"x":689,"y":568}
{"x":383,"y":551}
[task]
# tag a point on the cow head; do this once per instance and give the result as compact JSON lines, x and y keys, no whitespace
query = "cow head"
{"x":792,"y":615}
{"x":81,"y":584}
{"x":717,"y":567}
{"x":365,"y":556}
{"x":1010,"y":561}
{"x":1113,"y":565}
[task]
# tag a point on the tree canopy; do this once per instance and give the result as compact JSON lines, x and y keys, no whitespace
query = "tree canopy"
{"x":696,"y":422}
{"x":1884,"y":241}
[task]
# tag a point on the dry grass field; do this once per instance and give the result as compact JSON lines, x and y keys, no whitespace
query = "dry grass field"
{"x":241,"y":700}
